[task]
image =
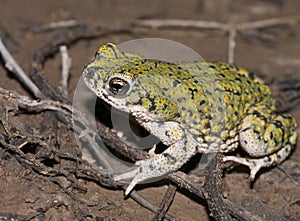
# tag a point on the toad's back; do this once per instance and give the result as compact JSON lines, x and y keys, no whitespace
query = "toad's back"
{"x":210,"y":100}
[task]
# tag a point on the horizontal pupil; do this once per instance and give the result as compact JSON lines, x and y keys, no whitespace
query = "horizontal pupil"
{"x":118,"y":85}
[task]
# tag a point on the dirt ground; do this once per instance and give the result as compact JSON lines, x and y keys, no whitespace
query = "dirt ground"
{"x":273,"y":53}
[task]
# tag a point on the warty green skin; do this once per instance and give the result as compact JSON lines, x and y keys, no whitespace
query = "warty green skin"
{"x":192,"y":107}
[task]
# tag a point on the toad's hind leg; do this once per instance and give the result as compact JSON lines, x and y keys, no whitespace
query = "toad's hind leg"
{"x":268,"y":138}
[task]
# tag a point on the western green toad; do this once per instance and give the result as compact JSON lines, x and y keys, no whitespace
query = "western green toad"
{"x":192,"y":107}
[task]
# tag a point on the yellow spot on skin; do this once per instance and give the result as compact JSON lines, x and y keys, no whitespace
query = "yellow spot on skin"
{"x":205,"y":131}
{"x":205,"y":122}
{"x":207,"y":110}
{"x":229,"y":126}
{"x":216,"y":129}
{"x":224,"y":135}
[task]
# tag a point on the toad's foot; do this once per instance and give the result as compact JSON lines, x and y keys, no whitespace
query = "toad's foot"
{"x":160,"y":165}
{"x":256,"y":164}
{"x":137,"y":175}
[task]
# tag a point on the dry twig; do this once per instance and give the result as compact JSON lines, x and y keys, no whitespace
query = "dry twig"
{"x":231,"y":45}
{"x":66,"y":65}
{"x":165,"y":203}
{"x":146,"y":204}
{"x":232,"y":29}
{"x":13,"y":66}
{"x":54,"y":25}
{"x":11,"y":44}
{"x":175,"y":23}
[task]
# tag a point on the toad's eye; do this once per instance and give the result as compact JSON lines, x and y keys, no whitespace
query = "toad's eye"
{"x":118,"y":86}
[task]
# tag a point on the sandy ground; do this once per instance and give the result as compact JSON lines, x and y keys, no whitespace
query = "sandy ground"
{"x":274,"y":53}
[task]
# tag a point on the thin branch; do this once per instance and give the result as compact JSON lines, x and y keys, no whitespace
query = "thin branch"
{"x":66,"y":65}
{"x":183,"y":180}
{"x":288,"y":175}
{"x":171,"y":23}
{"x":25,"y":101}
{"x":212,"y":25}
{"x":213,"y":187}
{"x":165,"y":203}
{"x":200,"y":24}
{"x":13,"y":66}
{"x":267,"y":23}
{"x":54,"y":25}
{"x":146,"y":204}
{"x":10,"y":43}
{"x":231,"y":45}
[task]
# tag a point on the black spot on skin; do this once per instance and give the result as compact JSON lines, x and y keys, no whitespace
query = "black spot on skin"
{"x":140,"y":102}
{"x":152,"y":108}
{"x":198,"y":66}
{"x":248,"y":82}
{"x":271,"y":135}
{"x":175,"y":83}
{"x":202,"y":102}
{"x":212,"y":66}
{"x":164,"y":107}
{"x":277,"y":123}
{"x":256,"y":131}
{"x":269,"y":159}
{"x":171,"y":158}
{"x":238,"y":79}
{"x":222,"y":75}
{"x":278,"y":156}
{"x":196,"y":81}
{"x":259,"y":90}
{"x":286,"y":150}
{"x":251,"y":75}
{"x":193,"y":91}
{"x":256,"y":113}
{"x":207,"y":92}
{"x":95,"y":84}
{"x":244,"y":130}
{"x":151,"y":167}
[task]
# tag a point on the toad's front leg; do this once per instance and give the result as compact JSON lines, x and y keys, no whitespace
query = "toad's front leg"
{"x":160,"y":165}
